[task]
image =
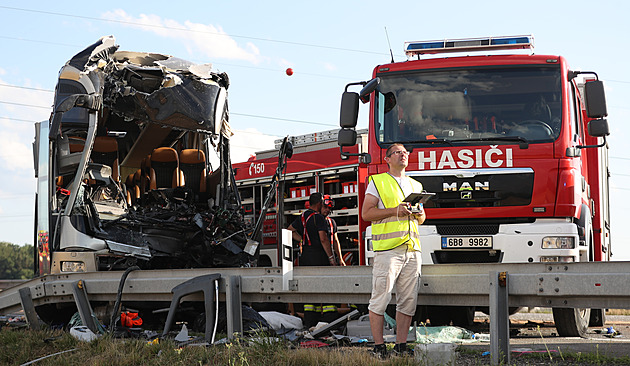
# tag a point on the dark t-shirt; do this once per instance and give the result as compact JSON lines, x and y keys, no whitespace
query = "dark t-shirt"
{"x":313,"y":253}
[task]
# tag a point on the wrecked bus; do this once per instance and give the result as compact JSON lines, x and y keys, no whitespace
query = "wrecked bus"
{"x":133,"y":167}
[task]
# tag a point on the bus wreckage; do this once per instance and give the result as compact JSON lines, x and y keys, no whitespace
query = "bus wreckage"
{"x":134,"y":167}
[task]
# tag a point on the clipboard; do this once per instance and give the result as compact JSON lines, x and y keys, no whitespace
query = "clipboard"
{"x":415,"y":198}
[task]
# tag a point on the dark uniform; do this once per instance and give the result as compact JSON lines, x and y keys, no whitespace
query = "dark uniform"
{"x":313,"y":253}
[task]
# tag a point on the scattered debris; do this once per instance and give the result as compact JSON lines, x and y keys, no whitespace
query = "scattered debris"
{"x":279,"y":321}
{"x":182,"y":336}
{"x":612,"y":333}
{"x":48,"y":356}
{"x":436,"y":353}
{"x":446,"y":334}
{"x":83,"y":333}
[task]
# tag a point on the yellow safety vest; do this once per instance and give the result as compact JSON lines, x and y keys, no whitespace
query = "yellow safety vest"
{"x":393,"y":231}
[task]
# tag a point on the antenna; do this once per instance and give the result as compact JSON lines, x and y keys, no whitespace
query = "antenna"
{"x":390,"y":45}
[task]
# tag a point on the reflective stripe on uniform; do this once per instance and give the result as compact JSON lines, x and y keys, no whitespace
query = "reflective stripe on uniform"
{"x":396,"y":234}
{"x":329,"y":308}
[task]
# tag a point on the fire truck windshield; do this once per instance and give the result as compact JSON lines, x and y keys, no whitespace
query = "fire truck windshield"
{"x":470,"y":105}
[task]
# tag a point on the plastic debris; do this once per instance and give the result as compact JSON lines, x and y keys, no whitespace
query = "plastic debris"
{"x":444,"y":334}
{"x":481,"y":337}
{"x":262,"y":340}
{"x":612,"y":333}
{"x":182,"y":336}
{"x":436,"y":353}
{"x":313,"y":344}
{"x":278,"y":320}
{"x":83,"y":333}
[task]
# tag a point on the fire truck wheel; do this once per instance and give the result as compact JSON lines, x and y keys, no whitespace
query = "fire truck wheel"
{"x":571,"y":322}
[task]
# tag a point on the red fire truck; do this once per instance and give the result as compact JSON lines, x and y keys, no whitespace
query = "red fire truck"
{"x":513,"y":145}
{"x":315,"y":166}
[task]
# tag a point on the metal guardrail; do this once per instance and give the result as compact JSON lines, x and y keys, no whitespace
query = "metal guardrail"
{"x":573,"y":285}
{"x":499,"y":286}
{"x":4,"y":284}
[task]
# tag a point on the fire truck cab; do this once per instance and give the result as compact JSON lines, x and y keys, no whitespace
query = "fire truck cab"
{"x":513,"y":145}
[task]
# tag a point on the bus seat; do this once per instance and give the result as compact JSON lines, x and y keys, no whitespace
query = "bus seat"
{"x":164,"y":169}
{"x":192,"y":163}
{"x":132,"y":183}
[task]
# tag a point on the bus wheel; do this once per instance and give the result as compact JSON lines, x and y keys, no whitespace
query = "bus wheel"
{"x":571,"y":322}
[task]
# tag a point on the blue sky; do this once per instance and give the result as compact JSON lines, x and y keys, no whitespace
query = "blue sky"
{"x":328,"y":44}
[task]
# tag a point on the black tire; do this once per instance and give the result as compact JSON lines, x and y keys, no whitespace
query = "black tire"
{"x":571,"y":322}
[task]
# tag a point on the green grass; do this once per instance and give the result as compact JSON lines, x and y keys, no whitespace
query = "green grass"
{"x":18,"y":346}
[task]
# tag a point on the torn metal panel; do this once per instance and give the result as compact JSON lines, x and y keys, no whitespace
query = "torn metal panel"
{"x":166,"y":90}
{"x":132,"y":250}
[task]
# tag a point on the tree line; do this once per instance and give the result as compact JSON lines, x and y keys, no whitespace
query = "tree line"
{"x":16,"y":261}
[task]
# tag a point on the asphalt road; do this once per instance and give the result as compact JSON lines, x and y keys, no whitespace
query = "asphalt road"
{"x":535,"y":332}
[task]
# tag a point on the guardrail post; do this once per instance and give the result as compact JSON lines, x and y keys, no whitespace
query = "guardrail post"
{"x":83,"y":305}
{"x":29,"y":309}
{"x":287,"y":260}
{"x":499,"y":319}
{"x":234,"y":306}
{"x":206,"y":284}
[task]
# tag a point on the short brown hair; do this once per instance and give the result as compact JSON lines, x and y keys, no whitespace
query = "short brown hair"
{"x":391,"y":147}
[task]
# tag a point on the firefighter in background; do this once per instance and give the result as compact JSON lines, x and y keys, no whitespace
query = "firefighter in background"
{"x":327,"y":206}
{"x":313,"y":232}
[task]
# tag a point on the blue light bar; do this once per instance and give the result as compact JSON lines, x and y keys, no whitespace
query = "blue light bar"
{"x":469,"y":44}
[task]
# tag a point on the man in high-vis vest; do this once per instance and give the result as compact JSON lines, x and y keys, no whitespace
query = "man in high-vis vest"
{"x":396,"y":242}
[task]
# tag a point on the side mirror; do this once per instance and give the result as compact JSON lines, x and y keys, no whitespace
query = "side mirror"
{"x":347,"y":137}
{"x":369,"y":87}
{"x":349,"y":110}
{"x":595,"y":99}
{"x":598,"y":128}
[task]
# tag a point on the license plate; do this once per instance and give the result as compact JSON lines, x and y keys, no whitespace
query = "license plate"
{"x":458,"y":242}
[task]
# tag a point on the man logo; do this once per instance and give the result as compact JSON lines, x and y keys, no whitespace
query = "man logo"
{"x":466,"y":195}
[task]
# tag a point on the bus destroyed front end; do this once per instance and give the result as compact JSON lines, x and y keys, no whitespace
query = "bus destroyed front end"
{"x":140,"y":169}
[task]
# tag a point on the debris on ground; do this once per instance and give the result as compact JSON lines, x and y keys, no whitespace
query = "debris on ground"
{"x":445,"y":334}
{"x":279,"y":321}
{"x":83,"y":333}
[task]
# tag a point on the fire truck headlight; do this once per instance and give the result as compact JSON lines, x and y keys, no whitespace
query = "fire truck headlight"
{"x":558,"y":242}
{"x":72,"y":267}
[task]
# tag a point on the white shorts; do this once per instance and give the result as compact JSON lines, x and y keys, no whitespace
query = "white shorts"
{"x":398,"y":269}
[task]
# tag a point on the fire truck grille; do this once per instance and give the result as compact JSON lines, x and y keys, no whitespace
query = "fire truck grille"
{"x":466,"y":256}
{"x":481,"y":229}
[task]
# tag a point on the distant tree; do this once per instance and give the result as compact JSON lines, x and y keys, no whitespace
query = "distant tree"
{"x":16,"y":261}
